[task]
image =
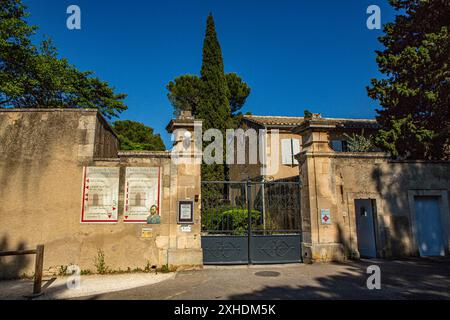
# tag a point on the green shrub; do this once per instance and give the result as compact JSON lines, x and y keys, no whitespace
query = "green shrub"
{"x":359,"y":142}
{"x":229,"y":218}
{"x":62,"y":270}
{"x":100,"y":263}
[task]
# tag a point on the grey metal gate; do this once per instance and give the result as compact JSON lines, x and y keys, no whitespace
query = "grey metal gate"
{"x":251,"y":222}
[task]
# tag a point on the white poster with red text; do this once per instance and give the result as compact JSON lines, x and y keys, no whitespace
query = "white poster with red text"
{"x":100,"y":195}
{"x":142,"y":195}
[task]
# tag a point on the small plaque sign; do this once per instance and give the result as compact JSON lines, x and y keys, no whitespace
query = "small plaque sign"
{"x":147,"y":232}
{"x":186,"y":228}
{"x":325,"y":216}
{"x":185,"y":212}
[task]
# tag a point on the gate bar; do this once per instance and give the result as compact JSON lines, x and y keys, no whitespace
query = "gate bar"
{"x":249,"y":199}
{"x":251,"y":182}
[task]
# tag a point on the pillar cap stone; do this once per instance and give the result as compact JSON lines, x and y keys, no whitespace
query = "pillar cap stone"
{"x":183,"y":122}
{"x":317,"y":124}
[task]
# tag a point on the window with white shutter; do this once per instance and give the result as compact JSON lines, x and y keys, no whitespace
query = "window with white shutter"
{"x":286,"y":151}
{"x":289,"y":148}
{"x":295,"y":149}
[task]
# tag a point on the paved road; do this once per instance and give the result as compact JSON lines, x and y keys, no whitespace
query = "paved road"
{"x":401,"y":279}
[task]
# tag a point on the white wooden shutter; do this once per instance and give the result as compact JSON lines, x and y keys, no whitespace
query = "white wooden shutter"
{"x":295,"y":149}
{"x":286,"y":151}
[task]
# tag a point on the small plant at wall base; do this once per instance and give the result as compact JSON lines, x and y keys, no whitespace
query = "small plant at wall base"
{"x":100,"y":263}
{"x":85,"y":272}
{"x":62,"y":271}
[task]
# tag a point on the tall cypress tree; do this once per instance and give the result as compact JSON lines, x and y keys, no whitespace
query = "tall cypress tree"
{"x":214,"y":108}
{"x":214,"y":97}
{"x":214,"y":103}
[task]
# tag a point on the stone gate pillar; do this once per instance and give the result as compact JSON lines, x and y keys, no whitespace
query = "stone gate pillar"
{"x":321,"y":235}
{"x":184,"y":236}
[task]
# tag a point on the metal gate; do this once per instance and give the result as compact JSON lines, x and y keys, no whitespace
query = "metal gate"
{"x":251,"y":222}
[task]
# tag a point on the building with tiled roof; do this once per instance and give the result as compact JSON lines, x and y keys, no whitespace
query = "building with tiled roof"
{"x":290,"y":142}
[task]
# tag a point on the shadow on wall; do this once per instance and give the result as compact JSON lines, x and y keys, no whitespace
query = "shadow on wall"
{"x":345,"y":241}
{"x":11,"y":267}
{"x":27,"y":144}
{"x":393,"y":180}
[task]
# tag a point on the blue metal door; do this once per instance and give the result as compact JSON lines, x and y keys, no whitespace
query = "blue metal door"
{"x":365,"y":228}
{"x":428,"y":226}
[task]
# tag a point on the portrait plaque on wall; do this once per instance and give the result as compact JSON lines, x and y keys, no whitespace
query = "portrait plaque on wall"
{"x":142,"y":195}
{"x":185,"y":212}
{"x":100,"y":195}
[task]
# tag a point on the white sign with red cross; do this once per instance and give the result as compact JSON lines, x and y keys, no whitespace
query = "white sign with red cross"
{"x":325,"y":216}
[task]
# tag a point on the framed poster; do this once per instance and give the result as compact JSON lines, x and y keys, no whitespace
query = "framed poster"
{"x":185,"y":211}
{"x":142,"y":195}
{"x":100,"y":195}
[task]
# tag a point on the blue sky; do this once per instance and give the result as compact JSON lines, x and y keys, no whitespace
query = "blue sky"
{"x":295,"y":55}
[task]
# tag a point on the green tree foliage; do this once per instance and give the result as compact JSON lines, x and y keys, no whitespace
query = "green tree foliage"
{"x":214,"y":108}
{"x":137,"y":136}
{"x":238,"y":91}
{"x":359,"y":142}
{"x":184,"y":94}
{"x":34,"y":77}
{"x":414,"y":94}
{"x":214,"y":97}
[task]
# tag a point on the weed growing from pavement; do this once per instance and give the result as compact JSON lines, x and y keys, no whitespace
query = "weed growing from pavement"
{"x":103,"y":269}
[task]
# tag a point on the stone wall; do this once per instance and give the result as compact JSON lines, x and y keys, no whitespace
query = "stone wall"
{"x":42,"y":156}
{"x":333,"y":180}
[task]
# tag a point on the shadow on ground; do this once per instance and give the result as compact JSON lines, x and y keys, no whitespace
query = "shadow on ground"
{"x":401,"y":279}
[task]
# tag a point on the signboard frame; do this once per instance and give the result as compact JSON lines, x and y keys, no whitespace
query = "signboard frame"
{"x":115,"y":195}
{"x":183,"y":220}
{"x":126,"y":196}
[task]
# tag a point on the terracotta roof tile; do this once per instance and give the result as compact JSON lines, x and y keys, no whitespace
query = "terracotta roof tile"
{"x":275,"y":120}
{"x":295,"y":121}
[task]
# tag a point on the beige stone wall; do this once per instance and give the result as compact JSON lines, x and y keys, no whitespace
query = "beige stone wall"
{"x":42,"y":155}
{"x":332,"y":180}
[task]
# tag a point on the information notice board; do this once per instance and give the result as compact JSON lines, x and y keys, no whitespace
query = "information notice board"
{"x":142,"y":195}
{"x":100,"y":195}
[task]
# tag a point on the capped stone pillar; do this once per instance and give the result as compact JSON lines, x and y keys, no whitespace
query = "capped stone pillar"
{"x":184,"y":236}
{"x":318,"y":205}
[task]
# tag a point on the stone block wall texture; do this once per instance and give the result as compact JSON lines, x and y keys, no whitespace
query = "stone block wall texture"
{"x":42,"y":155}
{"x":333,"y":180}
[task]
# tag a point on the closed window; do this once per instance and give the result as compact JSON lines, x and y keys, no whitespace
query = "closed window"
{"x":289,"y":148}
{"x":339,"y":145}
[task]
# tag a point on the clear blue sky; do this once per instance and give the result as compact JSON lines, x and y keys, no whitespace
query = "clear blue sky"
{"x":294,"y":54}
